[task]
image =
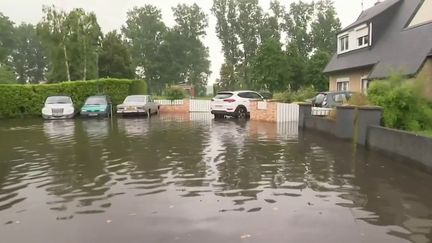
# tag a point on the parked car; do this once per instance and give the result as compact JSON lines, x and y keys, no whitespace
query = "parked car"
{"x":233,"y":103}
{"x":58,"y":107}
{"x":331,"y":99}
{"x":139,"y":105}
{"x":97,"y":106}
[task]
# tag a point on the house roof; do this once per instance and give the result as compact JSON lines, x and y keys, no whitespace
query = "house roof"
{"x":370,"y":13}
{"x":400,"y":49}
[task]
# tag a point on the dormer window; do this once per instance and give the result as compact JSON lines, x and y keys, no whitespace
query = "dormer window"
{"x":363,"y":41}
{"x":344,"y":43}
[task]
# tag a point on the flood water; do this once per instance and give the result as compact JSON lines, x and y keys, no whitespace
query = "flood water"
{"x":183,"y":179}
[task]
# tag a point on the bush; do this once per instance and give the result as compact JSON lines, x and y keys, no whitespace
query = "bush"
{"x":404,"y":106}
{"x":175,"y":93}
{"x":300,"y":95}
{"x":16,"y":99}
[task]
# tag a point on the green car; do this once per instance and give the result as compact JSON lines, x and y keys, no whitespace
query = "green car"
{"x":97,"y":106}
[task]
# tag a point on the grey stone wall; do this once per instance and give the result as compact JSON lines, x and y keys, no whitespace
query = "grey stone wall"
{"x":400,"y":143}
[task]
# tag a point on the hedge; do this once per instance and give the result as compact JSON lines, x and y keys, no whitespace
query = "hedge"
{"x":16,"y":100}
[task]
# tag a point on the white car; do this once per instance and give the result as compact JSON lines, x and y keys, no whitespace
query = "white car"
{"x":58,"y":107}
{"x":233,"y":103}
{"x":139,"y":105}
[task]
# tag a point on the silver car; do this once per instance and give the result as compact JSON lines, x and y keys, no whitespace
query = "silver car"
{"x":139,"y":105}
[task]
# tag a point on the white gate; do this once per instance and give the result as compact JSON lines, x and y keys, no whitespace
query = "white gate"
{"x":287,"y":112}
{"x":169,"y":102}
{"x":199,"y":105}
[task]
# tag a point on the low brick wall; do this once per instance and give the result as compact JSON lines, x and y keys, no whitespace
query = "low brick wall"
{"x":184,"y":108}
{"x":263,"y":111}
{"x":401,"y":143}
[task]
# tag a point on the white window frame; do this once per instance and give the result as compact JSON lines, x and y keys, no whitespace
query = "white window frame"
{"x":363,"y":42}
{"x":363,"y":90}
{"x":344,"y":45}
{"x":346,"y":81}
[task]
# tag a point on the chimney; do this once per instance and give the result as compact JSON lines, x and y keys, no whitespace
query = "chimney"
{"x":377,"y":2}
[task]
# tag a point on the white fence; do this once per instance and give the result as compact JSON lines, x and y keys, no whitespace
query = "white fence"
{"x":287,"y":112}
{"x":199,"y":105}
{"x":318,"y":111}
{"x":170,"y":102}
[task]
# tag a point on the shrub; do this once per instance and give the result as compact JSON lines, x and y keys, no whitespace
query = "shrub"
{"x":175,"y":93}
{"x":404,"y":106}
{"x":15,"y":99}
{"x":300,"y":95}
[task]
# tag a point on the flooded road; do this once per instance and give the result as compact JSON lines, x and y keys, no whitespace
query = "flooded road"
{"x":193,"y":179}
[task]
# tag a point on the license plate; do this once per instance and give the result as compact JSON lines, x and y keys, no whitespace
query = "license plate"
{"x":92,"y":114}
{"x":130,"y":108}
{"x":218,"y":106}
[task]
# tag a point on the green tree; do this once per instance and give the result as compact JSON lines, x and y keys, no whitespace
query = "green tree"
{"x":190,"y":26}
{"x":84,"y":35}
{"x":272,"y":23}
{"x":297,"y":22}
{"x":54,"y":35}
{"x":145,"y":31}
{"x":28,"y":57}
{"x":270,"y":67}
{"x":314,"y":70}
{"x":6,"y":38}
{"x":7,"y":75}
{"x":249,"y":18}
{"x":114,"y":58}
{"x":226,"y":13}
{"x":325,"y":27}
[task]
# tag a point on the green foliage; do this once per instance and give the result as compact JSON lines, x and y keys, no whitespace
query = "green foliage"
{"x":71,"y":41}
{"x":270,"y":67}
{"x":300,"y":95}
{"x":175,"y":93}
{"x":404,"y":106}
{"x":138,"y":87}
{"x":6,"y":37}
{"x":114,"y":58}
{"x":30,"y":98}
{"x":244,"y":30}
{"x":28,"y":57}
{"x":7,"y":76}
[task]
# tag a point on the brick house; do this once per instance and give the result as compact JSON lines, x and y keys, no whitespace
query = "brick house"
{"x":394,"y":36}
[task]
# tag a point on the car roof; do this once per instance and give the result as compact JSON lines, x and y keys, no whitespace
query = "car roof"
{"x":98,"y":96}
{"x":63,"y":96}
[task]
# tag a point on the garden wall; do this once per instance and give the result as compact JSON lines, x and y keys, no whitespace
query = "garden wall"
{"x":397,"y":142}
{"x":362,"y":125}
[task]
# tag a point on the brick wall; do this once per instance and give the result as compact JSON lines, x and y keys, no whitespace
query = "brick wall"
{"x":263,"y":111}
{"x":184,"y":108}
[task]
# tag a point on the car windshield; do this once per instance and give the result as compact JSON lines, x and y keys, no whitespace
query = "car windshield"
{"x":131,"y":99}
{"x":96,"y":101}
{"x":58,"y":100}
{"x":223,"y":95}
{"x":319,"y":98}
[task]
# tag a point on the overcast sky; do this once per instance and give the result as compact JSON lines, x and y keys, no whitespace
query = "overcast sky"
{"x":112,"y":15}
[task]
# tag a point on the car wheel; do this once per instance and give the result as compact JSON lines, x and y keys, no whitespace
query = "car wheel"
{"x":241,"y":113}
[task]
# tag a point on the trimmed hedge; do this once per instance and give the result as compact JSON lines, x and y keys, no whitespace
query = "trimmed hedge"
{"x":16,"y":100}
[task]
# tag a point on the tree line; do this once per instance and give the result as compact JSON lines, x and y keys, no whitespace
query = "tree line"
{"x":273,"y":50}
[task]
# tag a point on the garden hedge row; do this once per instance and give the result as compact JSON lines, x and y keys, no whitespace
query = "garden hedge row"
{"x":16,"y":100}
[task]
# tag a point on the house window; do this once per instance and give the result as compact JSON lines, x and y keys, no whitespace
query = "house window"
{"x":343,"y":85}
{"x":344,"y":43}
{"x":365,"y":85}
{"x":363,"y":41}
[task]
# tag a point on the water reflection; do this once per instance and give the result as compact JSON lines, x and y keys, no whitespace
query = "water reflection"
{"x":196,"y":170}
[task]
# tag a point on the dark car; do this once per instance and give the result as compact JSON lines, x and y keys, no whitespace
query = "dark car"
{"x":97,"y":106}
{"x":331,"y":99}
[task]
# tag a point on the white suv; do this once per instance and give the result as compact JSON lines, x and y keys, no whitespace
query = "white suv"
{"x":233,"y":103}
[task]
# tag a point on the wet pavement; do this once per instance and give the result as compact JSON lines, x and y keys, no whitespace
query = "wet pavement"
{"x":194,"y":179}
